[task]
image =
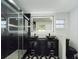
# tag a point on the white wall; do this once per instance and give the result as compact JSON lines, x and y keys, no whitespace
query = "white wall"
{"x":57,"y":16}
{"x":62,"y":34}
{"x":65,"y":17}
{"x":74,"y":28}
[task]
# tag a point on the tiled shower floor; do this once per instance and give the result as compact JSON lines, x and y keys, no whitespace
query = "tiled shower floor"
{"x":18,"y":54}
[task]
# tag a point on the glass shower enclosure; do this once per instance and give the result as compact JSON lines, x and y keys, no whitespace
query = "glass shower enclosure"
{"x":14,"y":29}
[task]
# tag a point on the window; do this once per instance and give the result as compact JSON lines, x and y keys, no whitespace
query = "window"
{"x":59,"y":23}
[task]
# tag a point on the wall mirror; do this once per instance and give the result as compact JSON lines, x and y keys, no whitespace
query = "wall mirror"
{"x":42,"y":25}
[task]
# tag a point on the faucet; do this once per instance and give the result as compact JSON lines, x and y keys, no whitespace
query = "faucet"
{"x":49,"y":34}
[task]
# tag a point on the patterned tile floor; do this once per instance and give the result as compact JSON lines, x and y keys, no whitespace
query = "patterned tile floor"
{"x":18,"y":54}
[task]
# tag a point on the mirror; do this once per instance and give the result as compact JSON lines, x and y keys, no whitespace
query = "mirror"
{"x":42,"y":25}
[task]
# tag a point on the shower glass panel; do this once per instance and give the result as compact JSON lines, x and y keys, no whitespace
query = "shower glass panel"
{"x":13,"y":31}
{"x":21,"y":33}
{"x":9,"y":39}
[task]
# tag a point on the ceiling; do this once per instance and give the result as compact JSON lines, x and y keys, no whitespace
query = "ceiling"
{"x":46,"y":5}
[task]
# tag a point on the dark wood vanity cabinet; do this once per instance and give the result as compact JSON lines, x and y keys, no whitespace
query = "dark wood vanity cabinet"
{"x":53,"y":45}
{"x":43,"y":47}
